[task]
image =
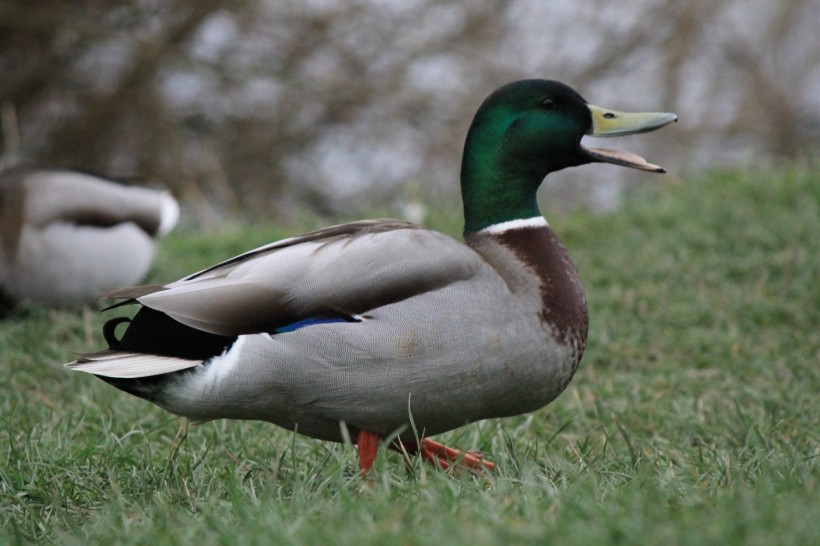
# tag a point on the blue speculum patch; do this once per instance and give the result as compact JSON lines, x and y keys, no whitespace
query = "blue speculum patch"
{"x":292,"y":327}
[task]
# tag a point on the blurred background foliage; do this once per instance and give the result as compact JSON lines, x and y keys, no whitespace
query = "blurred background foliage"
{"x":261,"y":108}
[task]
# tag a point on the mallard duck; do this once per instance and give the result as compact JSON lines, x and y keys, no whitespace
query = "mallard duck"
{"x":383,"y":331}
{"x":66,"y":237}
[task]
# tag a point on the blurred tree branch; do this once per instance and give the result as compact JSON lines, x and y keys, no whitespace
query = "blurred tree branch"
{"x":258,"y":105}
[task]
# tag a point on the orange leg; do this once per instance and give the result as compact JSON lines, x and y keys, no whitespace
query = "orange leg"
{"x":432,"y":452}
{"x":443,"y":456}
{"x":368,"y":444}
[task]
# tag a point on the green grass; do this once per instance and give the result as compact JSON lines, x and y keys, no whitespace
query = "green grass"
{"x":694,"y":418}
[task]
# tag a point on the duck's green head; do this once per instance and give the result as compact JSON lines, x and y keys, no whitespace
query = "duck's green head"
{"x":527,"y":129}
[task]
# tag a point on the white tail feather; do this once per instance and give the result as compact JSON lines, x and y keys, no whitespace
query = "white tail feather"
{"x":130,"y":365}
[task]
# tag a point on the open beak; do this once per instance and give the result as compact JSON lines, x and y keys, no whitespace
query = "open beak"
{"x":609,"y":123}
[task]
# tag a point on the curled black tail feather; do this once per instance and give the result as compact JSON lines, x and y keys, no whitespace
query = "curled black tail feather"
{"x":109,"y":332}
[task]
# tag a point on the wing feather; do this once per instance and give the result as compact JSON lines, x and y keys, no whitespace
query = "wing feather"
{"x":342,"y":270}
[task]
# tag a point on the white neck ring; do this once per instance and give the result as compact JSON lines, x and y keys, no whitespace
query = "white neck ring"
{"x":520,"y":223}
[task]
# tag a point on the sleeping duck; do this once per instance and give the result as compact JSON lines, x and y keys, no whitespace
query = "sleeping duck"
{"x":382,"y":331}
{"x":66,"y":237}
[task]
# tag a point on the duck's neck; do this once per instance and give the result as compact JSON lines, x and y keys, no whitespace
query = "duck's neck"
{"x":493,"y":195}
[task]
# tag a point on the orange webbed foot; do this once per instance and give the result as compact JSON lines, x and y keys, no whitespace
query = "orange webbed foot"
{"x":433,"y":452}
{"x":443,"y":456}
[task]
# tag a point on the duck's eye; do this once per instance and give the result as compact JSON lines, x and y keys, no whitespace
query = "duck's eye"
{"x":610,"y":115}
{"x":548,"y":104}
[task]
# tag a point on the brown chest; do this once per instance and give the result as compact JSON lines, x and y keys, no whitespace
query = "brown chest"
{"x":534,"y":260}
